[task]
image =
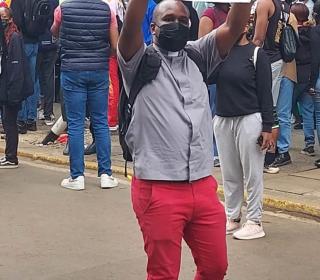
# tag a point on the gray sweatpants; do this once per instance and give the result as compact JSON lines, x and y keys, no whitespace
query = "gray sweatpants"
{"x":241,"y":163}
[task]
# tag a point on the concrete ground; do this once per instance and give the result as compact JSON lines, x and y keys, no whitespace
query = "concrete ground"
{"x":49,"y":233}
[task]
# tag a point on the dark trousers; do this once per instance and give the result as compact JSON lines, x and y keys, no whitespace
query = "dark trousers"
{"x":45,"y":71}
{"x":10,"y":115}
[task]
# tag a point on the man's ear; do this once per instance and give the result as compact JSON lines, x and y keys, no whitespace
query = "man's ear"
{"x":153,"y":28}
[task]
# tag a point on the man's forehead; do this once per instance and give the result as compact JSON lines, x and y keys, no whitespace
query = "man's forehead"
{"x":172,"y":7}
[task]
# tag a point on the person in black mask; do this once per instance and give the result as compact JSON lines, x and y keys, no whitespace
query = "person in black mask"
{"x":170,"y":137}
{"x":15,"y":84}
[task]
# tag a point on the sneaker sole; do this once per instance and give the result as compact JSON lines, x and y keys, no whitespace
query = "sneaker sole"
{"x":308,"y":154}
{"x":229,"y":232}
{"x":74,"y":189}
{"x":271,"y":172}
{"x":9,"y":166}
{"x":283,"y":163}
{"x":111,"y":187}
{"x":255,"y":236}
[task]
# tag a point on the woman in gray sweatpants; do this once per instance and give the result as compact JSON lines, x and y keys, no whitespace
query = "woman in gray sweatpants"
{"x":242,"y":127}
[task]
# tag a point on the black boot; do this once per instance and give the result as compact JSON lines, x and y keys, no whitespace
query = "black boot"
{"x":22,"y":127}
{"x":91,"y":149}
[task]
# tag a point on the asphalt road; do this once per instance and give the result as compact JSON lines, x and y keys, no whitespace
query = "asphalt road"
{"x":47,"y":232}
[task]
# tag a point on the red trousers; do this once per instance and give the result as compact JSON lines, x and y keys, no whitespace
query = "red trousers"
{"x":114,"y":92}
{"x":170,"y":211}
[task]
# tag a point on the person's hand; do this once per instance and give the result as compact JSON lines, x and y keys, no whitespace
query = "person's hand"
{"x":267,"y":141}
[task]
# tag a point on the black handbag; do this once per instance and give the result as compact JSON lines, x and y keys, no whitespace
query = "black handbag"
{"x":289,"y":39}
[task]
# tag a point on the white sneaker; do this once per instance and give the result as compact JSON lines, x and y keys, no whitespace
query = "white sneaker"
{"x":76,"y":184}
{"x":108,"y":182}
{"x":40,"y":114}
{"x":114,"y":128}
{"x":271,"y":170}
{"x":3,"y":159}
{"x":232,"y":226}
{"x":49,"y":121}
{"x":250,"y":230}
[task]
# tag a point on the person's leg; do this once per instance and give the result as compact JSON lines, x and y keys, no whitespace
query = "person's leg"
{"x":32,"y":101}
{"x":252,"y":160}
{"x":231,"y":169}
{"x":276,"y":68}
{"x":12,"y":137}
{"x":75,"y":96}
{"x":98,"y":109}
{"x":47,"y":81}
{"x":29,"y":51}
{"x":316,"y":100}
{"x":162,"y":210}
{"x":284,"y":107}
{"x":205,"y":234}
{"x":307,"y":111}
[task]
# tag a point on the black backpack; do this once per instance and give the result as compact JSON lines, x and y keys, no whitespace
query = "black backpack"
{"x":147,"y":71}
{"x":36,"y":17}
{"x":289,"y":39}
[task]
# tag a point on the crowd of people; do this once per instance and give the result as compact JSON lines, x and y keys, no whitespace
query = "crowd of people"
{"x":205,"y":85}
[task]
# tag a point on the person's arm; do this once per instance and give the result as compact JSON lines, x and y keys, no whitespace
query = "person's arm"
{"x":262,"y":20}
{"x":264,"y":93}
{"x":229,"y":33}
{"x":206,"y":26}
{"x":114,"y":34}
{"x":131,"y":37}
{"x":55,"y":28}
{"x":315,"y":54}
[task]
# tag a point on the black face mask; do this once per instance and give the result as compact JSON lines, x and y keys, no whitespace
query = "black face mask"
{"x":5,"y":23}
{"x":173,"y":36}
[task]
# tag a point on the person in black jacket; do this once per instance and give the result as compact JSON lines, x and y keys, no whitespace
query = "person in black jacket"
{"x":16,"y":85}
{"x":303,"y":60}
{"x":243,"y":130}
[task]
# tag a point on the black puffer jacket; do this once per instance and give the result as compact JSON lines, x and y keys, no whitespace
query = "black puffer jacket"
{"x":315,"y":53}
{"x":16,"y":82}
{"x":303,"y":55}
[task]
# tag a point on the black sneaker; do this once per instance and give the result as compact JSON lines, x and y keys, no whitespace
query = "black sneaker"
{"x":317,"y":163}
{"x":309,"y":151}
{"x":91,"y":149}
{"x":22,"y":127}
{"x":298,"y":126}
{"x":281,"y":160}
{"x":31,"y":126}
{"x":8,"y":164}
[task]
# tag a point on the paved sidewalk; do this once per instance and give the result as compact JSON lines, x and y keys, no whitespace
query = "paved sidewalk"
{"x":296,"y":188}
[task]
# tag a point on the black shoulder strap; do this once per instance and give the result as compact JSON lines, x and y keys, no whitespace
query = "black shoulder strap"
{"x":196,"y":57}
{"x":148,"y":70}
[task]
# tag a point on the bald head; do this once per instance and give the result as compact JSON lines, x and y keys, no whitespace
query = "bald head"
{"x":169,"y":11}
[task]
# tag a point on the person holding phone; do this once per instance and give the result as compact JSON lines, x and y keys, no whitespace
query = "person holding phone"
{"x":243,"y":130}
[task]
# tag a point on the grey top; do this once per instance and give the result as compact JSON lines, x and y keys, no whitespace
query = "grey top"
{"x":171,"y":135}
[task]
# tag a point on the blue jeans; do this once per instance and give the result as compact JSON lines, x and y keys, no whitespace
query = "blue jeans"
{"x":212,"y":101}
{"x":80,"y":89}
{"x":284,"y":107}
{"x":316,"y":100}
{"x":28,"y":110}
{"x":306,"y":102}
